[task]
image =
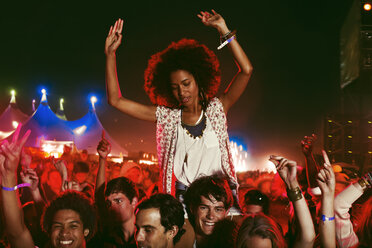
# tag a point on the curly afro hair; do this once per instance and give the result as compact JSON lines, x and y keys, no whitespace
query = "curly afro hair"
{"x":188,"y":55}
{"x":75,"y":201}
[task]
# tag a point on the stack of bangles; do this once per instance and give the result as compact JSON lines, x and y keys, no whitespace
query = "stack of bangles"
{"x":15,"y":187}
{"x":366,"y":181}
{"x":294,"y":194}
{"x":226,"y":39}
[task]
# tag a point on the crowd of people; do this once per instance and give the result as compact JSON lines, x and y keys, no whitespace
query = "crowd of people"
{"x":193,"y":199}
{"x":111,"y":212}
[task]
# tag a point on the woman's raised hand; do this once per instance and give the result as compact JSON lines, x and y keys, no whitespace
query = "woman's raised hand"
{"x":214,"y":20}
{"x":114,"y":37}
{"x":287,"y":170}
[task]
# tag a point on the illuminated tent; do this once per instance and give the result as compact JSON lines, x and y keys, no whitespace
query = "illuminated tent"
{"x":45,"y":125}
{"x":88,"y":132}
{"x":10,"y":118}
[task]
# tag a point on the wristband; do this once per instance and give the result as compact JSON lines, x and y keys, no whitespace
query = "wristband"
{"x":226,"y":42}
{"x":16,"y":187}
{"x":294,"y":194}
{"x":325,"y":218}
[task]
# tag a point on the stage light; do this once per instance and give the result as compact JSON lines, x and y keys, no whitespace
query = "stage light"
{"x":43,"y":91}
{"x":61,"y":100}
{"x":367,"y":6}
{"x":93,"y":99}
{"x":15,"y":124}
{"x":13,"y":92}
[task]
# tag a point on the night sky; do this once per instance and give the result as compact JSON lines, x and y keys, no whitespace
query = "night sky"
{"x":292,"y":44}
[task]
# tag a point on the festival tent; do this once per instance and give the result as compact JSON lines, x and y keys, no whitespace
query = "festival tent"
{"x":88,"y":132}
{"x":10,"y":118}
{"x":45,"y":125}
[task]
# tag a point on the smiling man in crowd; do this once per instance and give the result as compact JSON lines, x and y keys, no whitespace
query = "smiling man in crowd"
{"x":69,"y":220}
{"x":207,"y":200}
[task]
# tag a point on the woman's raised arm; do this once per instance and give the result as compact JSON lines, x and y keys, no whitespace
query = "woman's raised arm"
{"x":240,"y":80}
{"x":114,"y":96}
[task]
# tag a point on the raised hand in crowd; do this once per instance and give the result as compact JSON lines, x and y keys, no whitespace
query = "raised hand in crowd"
{"x":73,"y":185}
{"x":307,"y":145}
{"x":10,"y":155}
{"x":30,"y":176}
{"x":287,"y":170}
{"x":103,"y":149}
{"x":327,"y":183}
{"x":61,"y":167}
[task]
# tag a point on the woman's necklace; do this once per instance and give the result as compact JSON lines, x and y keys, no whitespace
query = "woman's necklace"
{"x":194,"y":131}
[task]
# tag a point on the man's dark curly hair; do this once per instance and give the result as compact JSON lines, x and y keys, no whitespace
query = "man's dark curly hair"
{"x":170,"y":209}
{"x":75,"y":201}
{"x":188,"y":55}
{"x":207,"y":186}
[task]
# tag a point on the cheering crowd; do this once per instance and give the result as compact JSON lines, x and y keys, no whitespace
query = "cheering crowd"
{"x":111,"y":211}
{"x":193,"y":199}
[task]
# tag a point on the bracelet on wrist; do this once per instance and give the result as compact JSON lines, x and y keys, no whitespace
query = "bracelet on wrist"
{"x":325,"y":218}
{"x":16,"y":187}
{"x":362,"y":183}
{"x":227,"y":36}
{"x":368,"y":179}
{"x":223,"y":37}
{"x":294,"y":194}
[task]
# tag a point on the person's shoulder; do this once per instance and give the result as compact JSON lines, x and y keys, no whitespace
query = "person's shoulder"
{"x":214,"y":105}
{"x":163,"y":112}
{"x":215,"y":101}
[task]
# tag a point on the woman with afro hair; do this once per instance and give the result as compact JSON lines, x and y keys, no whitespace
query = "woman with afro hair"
{"x":182,"y":82}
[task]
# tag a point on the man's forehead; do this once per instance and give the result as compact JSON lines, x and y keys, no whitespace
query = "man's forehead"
{"x":67,"y":215}
{"x":211,"y":201}
{"x":148,"y":217}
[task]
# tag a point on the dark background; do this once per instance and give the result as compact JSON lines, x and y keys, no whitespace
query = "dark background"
{"x":292,"y":44}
